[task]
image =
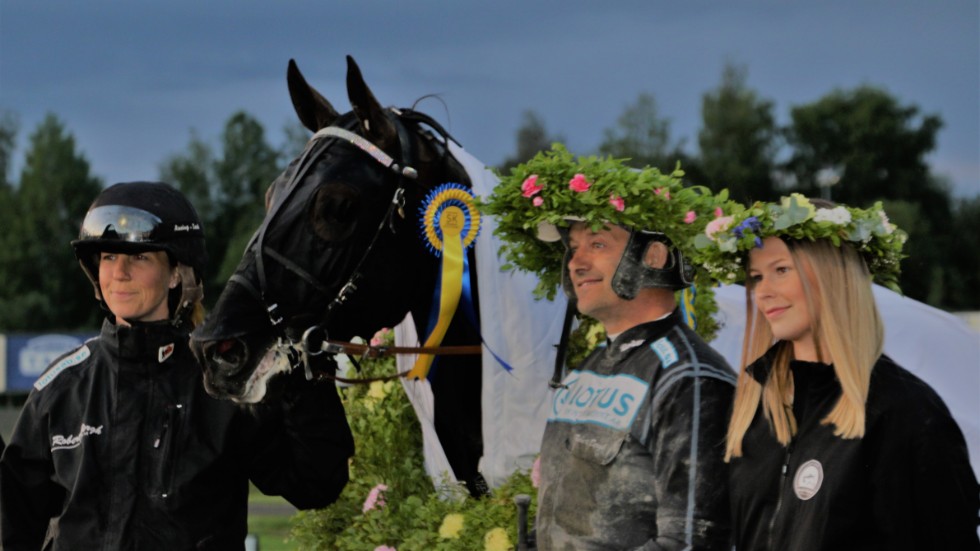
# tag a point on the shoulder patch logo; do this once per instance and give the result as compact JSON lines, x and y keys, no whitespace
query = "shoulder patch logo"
{"x":71,"y":359}
{"x":665,"y":349}
{"x":808,"y":479}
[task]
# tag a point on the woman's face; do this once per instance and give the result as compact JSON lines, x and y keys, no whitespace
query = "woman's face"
{"x":777,"y":290}
{"x":135,"y":286}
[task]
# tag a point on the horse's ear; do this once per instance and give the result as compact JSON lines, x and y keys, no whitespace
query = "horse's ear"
{"x":313,"y":110}
{"x":373,"y":119}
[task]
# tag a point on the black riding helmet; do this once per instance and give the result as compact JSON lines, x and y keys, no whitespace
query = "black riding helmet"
{"x":134,"y":217}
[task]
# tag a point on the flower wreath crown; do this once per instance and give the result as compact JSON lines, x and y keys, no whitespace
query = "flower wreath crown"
{"x":722,"y":246}
{"x":555,"y":186}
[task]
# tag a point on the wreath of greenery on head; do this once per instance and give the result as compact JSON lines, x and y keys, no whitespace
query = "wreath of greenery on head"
{"x":555,"y":186}
{"x":725,"y":241}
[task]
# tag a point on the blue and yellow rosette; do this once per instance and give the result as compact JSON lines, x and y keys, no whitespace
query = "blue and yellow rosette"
{"x":450,"y":224}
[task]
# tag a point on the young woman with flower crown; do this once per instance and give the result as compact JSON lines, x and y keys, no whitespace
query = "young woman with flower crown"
{"x":831,"y":445}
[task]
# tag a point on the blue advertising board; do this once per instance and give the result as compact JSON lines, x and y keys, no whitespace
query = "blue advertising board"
{"x":28,"y":354}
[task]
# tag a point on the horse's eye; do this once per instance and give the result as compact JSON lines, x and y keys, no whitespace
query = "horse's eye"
{"x":334,"y":211}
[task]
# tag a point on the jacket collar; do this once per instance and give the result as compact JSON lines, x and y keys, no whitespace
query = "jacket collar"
{"x":143,"y":343}
{"x":633,"y":337}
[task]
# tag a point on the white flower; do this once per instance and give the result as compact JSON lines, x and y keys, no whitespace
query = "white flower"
{"x":836,"y":215}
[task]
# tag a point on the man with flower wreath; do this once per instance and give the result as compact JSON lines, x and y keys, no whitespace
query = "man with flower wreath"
{"x":632,"y":452}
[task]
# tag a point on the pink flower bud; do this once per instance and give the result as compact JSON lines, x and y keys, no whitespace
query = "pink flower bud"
{"x":530,"y":186}
{"x":579,"y":184}
{"x":538,"y":201}
{"x":617,"y":202}
{"x":690,"y":217}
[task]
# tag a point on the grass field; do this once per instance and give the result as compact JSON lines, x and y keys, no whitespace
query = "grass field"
{"x":272,"y":528}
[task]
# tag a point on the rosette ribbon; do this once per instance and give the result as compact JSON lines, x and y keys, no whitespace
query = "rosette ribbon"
{"x":450,"y":224}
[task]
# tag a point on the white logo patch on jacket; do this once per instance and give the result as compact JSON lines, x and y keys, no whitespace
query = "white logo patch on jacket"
{"x":606,"y":400}
{"x":665,"y":349}
{"x":74,"y":358}
{"x":808,"y":479}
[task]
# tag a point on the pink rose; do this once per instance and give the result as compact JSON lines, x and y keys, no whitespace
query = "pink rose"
{"x":717,"y":225}
{"x":718,"y":212}
{"x":379,"y":338}
{"x":530,"y":186}
{"x":579,"y":183}
{"x":538,"y":201}
{"x":690,"y":217}
{"x":617,"y":202}
{"x":375,"y":498}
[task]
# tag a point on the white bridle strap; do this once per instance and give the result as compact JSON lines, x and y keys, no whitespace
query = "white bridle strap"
{"x":374,"y":151}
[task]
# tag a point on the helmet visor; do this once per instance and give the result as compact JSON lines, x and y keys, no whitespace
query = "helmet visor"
{"x":120,"y":223}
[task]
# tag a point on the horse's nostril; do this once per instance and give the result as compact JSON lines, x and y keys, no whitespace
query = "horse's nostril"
{"x":231,"y":352}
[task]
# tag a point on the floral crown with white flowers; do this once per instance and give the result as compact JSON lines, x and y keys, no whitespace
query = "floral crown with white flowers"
{"x":555,"y":187}
{"x":723,"y":244}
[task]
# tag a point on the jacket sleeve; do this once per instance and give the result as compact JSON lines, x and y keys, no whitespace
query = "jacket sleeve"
{"x":304,"y":445}
{"x":924,"y":491}
{"x":28,"y":498}
{"x":687,"y":446}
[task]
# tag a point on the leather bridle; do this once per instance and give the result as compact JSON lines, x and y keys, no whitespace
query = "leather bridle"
{"x":315,"y":339}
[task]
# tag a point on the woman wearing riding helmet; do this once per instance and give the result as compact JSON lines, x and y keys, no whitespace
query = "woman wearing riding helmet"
{"x":831,"y":445}
{"x":118,"y":445}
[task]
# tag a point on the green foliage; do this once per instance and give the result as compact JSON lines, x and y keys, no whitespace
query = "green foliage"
{"x":532,"y":138}
{"x":43,"y":286}
{"x":641,"y":137}
{"x":539,"y":194}
{"x":878,"y":147}
{"x":227,"y":185}
{"x":722,"y":248}
{"x":738,"y":139}
{"x":389,"y":452}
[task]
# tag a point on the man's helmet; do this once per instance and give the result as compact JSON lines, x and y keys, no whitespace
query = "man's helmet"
{"x":632,"y":274}
{"x":137,"y":217}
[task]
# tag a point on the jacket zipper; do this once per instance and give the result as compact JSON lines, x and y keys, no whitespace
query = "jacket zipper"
{"x":165,"y":443}
{"x":779,"y":497}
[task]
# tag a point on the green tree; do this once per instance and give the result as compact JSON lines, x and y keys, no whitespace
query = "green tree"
{"x":227,"y":185}
{"x":532,"y":137}
{"x":641,"y":136}
{"x":876,"y":147}
{"x":738,"y":139}
{"x":44,"y":288}
{"x":964,"y":274}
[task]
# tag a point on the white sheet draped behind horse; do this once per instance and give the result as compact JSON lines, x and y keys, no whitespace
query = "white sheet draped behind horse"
{"x":935,"y":345}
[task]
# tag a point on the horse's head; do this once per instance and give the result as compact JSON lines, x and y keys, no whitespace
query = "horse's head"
{"x":339,"y":246}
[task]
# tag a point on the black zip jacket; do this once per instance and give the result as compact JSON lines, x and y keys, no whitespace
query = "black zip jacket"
{"x":907,"y":484}
{"x":119,"y":447}
{"x":632,"y":453}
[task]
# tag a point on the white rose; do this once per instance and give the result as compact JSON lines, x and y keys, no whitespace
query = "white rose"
{"x":836,"y":215}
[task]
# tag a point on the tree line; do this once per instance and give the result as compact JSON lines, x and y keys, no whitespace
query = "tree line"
{"x":854,"y":146}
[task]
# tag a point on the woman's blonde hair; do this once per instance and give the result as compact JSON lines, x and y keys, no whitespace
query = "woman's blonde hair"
{"x":845,"y":325}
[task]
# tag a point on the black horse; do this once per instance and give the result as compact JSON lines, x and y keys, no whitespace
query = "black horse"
{"x":340,"y":251}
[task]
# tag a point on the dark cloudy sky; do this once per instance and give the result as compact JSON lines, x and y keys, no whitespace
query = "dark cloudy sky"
{"x":132,"y":79}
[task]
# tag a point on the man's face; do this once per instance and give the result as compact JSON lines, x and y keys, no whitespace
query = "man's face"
{"x":592,"y":264}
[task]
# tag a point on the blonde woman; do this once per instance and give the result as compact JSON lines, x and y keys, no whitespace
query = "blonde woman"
{"x":831,"y":445}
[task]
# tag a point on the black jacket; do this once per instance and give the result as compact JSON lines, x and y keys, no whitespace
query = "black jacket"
{"x":632,"y":452}
{"x":907,"y":484}
{"x":120,"y":447}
